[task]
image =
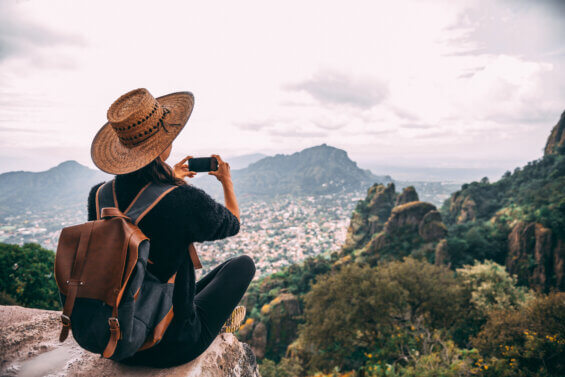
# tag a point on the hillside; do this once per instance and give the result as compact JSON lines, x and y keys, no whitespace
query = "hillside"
{"x":63,"y":186}
{"x":518,"y":221}
{"x":384,"y":226}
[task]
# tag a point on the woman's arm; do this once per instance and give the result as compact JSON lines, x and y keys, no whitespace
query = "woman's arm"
{"x":223,"y":175}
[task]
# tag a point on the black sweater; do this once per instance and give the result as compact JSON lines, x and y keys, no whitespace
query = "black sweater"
{"x":186,"y":214}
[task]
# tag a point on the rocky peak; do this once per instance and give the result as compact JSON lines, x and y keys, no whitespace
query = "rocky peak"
{"x":30,"y":347}
{"x":370,"y":215}
{"x":556,"y":139}
{"x":408,"y":195}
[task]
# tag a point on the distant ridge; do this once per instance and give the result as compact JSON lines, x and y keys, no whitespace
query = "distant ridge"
{"x":313,"y":171}
{"x":64,"y":185}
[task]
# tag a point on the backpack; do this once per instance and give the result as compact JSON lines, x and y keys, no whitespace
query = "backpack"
{"x":113,"y":304}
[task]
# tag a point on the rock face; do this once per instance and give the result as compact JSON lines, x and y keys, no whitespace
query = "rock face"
{"x":370,"y":215}
{"x":29,"y":346}
{"x":394,"y":224}
{"x":408,"y":215}
{"x":535,"y":257}
{"x":556,"y":139}
{"x":464,"y":207}
{"x":281,"y":327}
{"x":408,"y":195}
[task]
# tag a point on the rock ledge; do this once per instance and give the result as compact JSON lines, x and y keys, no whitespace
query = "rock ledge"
{"x":29,"y":347}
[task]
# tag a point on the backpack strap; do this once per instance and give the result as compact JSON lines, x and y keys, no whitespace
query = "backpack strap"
{"x":106,"y":197}
{"x":146,"y":199}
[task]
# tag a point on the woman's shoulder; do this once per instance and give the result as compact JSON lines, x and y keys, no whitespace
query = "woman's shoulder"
{"x":93,"y":189}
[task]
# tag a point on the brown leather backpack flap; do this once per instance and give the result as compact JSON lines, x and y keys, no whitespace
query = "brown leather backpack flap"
{"x":103,"y":267}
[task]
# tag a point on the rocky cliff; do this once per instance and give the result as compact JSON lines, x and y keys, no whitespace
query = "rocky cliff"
{"x":387,"y":223}
{"x":556,"y":140}
{"x":29,"y":347}
{"x":279,"y":327}
{"x":535,"y":256}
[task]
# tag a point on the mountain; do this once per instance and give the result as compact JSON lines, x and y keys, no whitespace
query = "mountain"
{"x":317,"y":170}
{"x":64,"y":185}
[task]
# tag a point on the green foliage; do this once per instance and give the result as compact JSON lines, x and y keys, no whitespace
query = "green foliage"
{"x":439,"y":357}
{"x":285,"y":368}
{"x":27,"y":276}
{"x":537,"y":189}
{"x":477,"y":241}
{"x":492,"y":287}
{"x":384,"y":310}
{"x":530,"y":341}
{"x":295,"y":279}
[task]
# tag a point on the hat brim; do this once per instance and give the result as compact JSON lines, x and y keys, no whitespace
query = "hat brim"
{"x":111,"y":156}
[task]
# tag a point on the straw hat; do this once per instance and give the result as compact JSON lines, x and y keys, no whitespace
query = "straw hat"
{"x":139,"y":129}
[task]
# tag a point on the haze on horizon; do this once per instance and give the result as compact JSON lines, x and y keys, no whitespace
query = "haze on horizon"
{"x":435,"y":84}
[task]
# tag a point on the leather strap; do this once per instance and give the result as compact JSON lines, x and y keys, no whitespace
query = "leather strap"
{"x":109,"y":212}
{"x":194,"y":256}
{"x":105,"y":197}
{"x":115,"y":333}
{"x":74,"y":282}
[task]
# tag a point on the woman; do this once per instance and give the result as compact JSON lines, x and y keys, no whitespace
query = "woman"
{"x":134,"y":145}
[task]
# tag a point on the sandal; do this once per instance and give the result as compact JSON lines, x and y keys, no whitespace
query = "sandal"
{"x":235,"y":319}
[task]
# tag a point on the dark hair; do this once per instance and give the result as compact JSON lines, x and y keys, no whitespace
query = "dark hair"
{"x":157,"y":171}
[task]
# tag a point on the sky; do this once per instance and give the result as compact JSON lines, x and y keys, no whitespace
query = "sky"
{"x":470,"y":84}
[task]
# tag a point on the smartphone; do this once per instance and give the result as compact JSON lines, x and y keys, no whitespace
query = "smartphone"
{"x":202,"y":164}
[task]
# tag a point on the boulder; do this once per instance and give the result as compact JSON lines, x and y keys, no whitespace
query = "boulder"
{"x":29,"y":346}
{"x":407,"y":215}
{"x":408,"y":195}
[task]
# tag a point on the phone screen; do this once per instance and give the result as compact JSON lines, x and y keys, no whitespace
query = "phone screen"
{"x":203,"y":164}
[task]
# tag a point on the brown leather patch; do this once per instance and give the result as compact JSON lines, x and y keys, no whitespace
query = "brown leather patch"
{"x":159,"y":331}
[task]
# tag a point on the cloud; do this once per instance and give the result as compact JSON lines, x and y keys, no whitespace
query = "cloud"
{"x":513,"y":27}
{"x":23,"y":38}
{"x":254,"y":126}
{"x":295,"y":133}
{"x":336,"y":88}
{"x":28,"y":130}
{"x":416,"y":125}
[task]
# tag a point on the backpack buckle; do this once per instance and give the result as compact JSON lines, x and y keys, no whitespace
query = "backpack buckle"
{"x":113,"y":323}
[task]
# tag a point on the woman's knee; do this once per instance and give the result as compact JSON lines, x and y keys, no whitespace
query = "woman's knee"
{"x":245,"y":265}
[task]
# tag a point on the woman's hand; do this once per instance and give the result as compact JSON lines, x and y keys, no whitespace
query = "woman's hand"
{"x":223,"y":173}
{"x":181,"y":171}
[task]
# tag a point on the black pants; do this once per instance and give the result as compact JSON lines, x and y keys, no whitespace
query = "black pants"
{"x":217,"y":294}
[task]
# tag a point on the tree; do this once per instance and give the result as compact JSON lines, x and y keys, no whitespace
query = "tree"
{"x":492,"y":287}
{"x":386,"y":310}
{"x":26,"y":276}
{"x":530,"y":341}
